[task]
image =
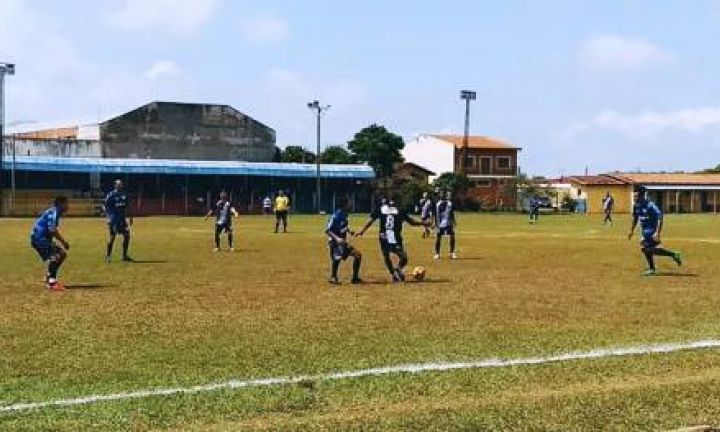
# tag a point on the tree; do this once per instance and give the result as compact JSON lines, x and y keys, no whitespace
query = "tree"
{"x":379,"y":148}
{"x":277,"y":155}
{"x":336,"y":155}
{"x":458,"y":184}
{"x":297,"y":154}
{"x":715,"y":170}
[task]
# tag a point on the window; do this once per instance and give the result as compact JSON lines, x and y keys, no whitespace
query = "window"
{"x":482,"y":183}
{"x":485,"y":164}
{"x":471,"y":162}
{"x":503,"y":162}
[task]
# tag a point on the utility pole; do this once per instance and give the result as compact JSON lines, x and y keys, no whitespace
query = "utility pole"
{"x":5,"y":69}
{"x":319,"y":110}
{"x":467,"y":95}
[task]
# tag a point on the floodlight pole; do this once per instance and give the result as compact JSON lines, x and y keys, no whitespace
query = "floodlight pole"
{"x":319,"y":109}
{"x":5,"y":69}
{"x":467,"y":95}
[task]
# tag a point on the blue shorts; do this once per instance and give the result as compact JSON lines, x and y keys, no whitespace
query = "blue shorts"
{"x":447,"y":231}
{"x":647,"y":239}
{"x":339,"y":251}
{"x":46,"y":249}
{"x":120,"y":226}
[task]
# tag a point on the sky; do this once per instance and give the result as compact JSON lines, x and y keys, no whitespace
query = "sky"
{"x":601,"y":85}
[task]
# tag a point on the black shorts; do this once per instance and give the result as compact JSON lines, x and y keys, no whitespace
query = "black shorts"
{"x":447,"y":231}
{"x":281,"y":214}
{"x":340,"y":251}
{"x":45,"y":249}
{"x":118,"y":227}
{"x":223,"y":228}
{"x":387,"y":247}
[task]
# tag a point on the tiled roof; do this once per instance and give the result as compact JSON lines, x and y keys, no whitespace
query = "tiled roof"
{"x":596,"y":180}
{"x":476,"y":141}
{"x":667,"y":179}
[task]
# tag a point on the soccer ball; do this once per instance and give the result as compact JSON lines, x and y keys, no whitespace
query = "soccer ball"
{"x":418,"y":273}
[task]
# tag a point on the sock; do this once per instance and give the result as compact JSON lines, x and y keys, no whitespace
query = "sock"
{"x":126,"y":244}
{"x":217,"y":240}
{"x":53,"y":268}
{"x":452,"y":244}
{"x":663,"y":252}
{"x":110,"y":246}
{"x":438,"y":239}
{"x":230,"y":240}
{"x":649,"y":258}
{"x":357,"y":262}
{"x":389,"y":264}
{"x":334,"y":269}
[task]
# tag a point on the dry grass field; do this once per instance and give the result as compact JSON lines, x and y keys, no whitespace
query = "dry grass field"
{"x":184,"y":316}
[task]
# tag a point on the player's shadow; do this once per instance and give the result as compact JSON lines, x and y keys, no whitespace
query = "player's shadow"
{"x":677,"y":274}
{"x":469,"y":259}
{"x":408,"y":282}
{"x":87,"y":286}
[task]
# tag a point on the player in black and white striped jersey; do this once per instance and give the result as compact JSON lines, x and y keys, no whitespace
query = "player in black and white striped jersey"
{"x":224,"y":212}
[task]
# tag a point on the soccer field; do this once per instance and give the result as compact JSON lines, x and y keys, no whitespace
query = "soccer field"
{"x":184,"y":316}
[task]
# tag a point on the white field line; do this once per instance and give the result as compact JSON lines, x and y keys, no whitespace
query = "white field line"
{"x":635,"y":350}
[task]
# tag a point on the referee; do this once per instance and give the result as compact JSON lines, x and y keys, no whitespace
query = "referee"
{"x":282,"y":206}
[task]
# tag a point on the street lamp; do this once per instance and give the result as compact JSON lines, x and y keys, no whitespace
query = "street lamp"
{"x":319,"y":110}
{"x":5,"y":69}
{"x":467,"y":95}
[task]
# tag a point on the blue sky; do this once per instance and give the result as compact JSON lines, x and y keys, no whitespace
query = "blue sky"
{"x":608,"y":85}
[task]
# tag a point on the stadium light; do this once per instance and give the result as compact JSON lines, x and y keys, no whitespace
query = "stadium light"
{"x":319,"y":110}
{"x":5,"y":69}
{"x":467,"y":96}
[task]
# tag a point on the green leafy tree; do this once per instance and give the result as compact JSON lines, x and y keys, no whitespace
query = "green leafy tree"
{"x":458,"y":184}
{"x":297,"y":154}
{"x":277,"y":155}
{"x":379,"y":148}
{"x":336,"y":155}
{"x":715,"y":170}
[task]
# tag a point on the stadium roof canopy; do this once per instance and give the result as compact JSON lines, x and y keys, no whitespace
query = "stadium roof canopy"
{"x":185,"y":167}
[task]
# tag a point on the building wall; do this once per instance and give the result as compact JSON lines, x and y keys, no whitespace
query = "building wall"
{"x":594,"y":195}
{"x":476,"y":156}
{"x":430,"y":153}
{"x":187,"y":131}
{"x":52,"y":147}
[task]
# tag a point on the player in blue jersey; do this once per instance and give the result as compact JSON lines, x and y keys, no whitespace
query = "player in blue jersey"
{"x":340,"y":250}
{"x":117,"y":208}
{"x":391,"y":242}
{"x":224,"y":213}
{"x":44,"y":233}
{"x":535,"y":204}
{"x":427,"y":210}
{"x":445,"y":223}
{"x":650,"y":218}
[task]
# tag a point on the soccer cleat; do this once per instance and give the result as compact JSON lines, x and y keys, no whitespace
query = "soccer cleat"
{"x":453,"y":256}
{"x":436,"y":257}
{"x":356,"y":281}
{"x":334,"y":281}
{"x":108,"y":259}
{"x":127,"y":259}
{"x":650,"y":272}
{"x":216,"y":250}
{"x":232,"y":249}
{"x":677,"y":257}
{"x":400,"y":275}
{"x":55,"y":286}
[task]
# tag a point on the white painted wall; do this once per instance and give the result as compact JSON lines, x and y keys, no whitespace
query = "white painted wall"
{"x":431,"y":153}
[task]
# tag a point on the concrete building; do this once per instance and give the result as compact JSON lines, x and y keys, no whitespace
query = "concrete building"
{"x":491,"y":164}
{"x":158,"y":130}
{"x":674,"y":192}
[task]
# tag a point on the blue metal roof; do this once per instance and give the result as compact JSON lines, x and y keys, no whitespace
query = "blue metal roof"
{"x":162,"y":166}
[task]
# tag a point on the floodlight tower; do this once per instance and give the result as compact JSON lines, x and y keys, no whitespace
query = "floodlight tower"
{"x":319,"y":110}
{"x":5,"y":69}
{"x":467,"y":96}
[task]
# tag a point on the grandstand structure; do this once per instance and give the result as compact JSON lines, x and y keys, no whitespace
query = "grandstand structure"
{"x":173,"y":158}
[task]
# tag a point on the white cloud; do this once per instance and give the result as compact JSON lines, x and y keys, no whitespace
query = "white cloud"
{"x":178,"y":17}
{"x":163,"y":69}
{"x":55,"y":80}
{"x":265,"y":28}
{"x":617,"y":54}
{"x":649,"y":124}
